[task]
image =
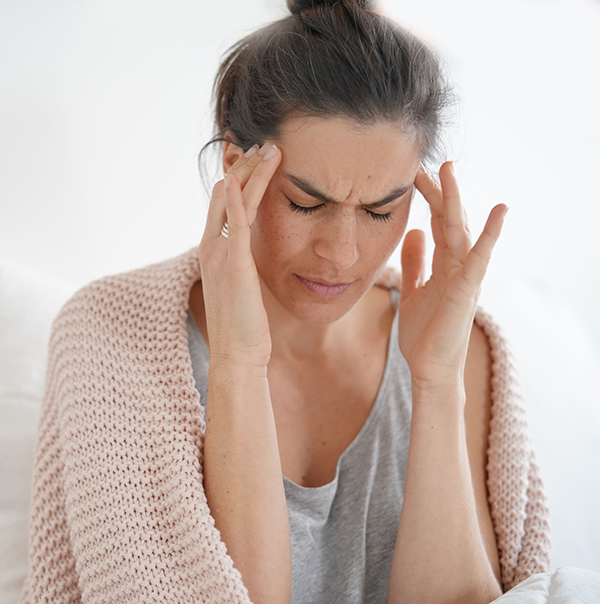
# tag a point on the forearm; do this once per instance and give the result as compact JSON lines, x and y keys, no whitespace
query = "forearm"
{"x":440,"y":554}
{"x":243,"y":482}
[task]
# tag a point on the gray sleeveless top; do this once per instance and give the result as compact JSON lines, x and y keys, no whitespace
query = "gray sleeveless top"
{"x":343,"y":533}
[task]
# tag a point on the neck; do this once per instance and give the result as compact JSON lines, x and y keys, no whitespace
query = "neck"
{"x":295,"y":339}
{"x":292,"y":338}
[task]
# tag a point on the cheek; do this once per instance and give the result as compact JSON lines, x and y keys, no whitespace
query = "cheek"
{"x":384,"y":241}
{"x":273,"y":237}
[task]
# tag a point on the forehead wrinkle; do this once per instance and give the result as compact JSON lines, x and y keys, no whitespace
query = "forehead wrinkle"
{"x":312,"y":191}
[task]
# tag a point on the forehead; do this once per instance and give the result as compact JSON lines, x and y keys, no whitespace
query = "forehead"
{"x":346,"y":158}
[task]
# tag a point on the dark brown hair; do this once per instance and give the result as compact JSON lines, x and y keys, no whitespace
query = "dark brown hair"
{"x":330,"y":58}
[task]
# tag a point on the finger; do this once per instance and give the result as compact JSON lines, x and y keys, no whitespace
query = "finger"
{"x":252,"y":169}
{"x":455,"y":231}
{"x":246,"y":164}
{"x":430,"y":189}
{"x":216,"y":211}
{"x":242,"y":169}
{"x":479,"y":257}
{"x":413,"y":262}
{"x":244,"y":157}
{"x":237,"y":220}
{"x":259,"y":179}
{"x":437,"y":230}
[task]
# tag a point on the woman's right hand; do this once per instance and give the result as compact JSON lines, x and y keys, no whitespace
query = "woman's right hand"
{"x":241,"y":435}
{"x":237,"y":325}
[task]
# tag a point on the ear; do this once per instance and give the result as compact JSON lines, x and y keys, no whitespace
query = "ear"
{"x":231,"y":152}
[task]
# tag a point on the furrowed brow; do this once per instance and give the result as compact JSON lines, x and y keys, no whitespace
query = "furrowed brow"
{"x":389,"y":198}
{"x":313,"y":192}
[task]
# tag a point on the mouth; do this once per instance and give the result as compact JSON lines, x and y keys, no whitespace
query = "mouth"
{"x":324,"y":289}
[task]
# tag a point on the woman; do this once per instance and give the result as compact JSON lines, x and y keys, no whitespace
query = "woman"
{"x":345,"y":447}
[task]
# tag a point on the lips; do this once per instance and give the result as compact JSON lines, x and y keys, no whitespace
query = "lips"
{"x":324,"y":289}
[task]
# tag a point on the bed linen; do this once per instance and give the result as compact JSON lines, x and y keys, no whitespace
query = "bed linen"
{"x":567,"y":585}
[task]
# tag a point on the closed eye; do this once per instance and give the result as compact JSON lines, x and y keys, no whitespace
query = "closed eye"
{"x":306,"y":210}
{"x":381,"y":217}
{"x":303,"y":209}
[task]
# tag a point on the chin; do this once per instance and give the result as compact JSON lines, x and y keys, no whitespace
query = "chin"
{"x":310,"y":307}
{"x":319,"y":314}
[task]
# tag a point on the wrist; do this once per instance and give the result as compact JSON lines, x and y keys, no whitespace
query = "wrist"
{"x":449,"y":392}
{"x":239,"y":390}
{"x":440,"y":413}
{"x":231,"y":371}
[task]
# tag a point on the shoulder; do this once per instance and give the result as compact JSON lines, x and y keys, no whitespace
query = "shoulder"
{"x":114,"y":312}
{"x":179,"y":271}
{"x":151,"y":286}
{"x":122,"y":327}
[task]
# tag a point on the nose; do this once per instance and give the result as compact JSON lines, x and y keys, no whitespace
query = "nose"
{"x":337,"y":241}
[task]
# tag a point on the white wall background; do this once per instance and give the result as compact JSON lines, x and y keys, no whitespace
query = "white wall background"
{"x":104,"y":105}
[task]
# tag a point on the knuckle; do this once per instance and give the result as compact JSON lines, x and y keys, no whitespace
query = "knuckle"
{"x":250,"y":165}
{"x":482,"y":255}
{"x":254,"y":161}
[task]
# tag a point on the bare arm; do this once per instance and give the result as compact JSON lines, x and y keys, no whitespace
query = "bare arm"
{"x":445,"y":515}
{"x":478,"y":376}
{"x":242,"y":479}
{"x":242,"y":469}
{"x":440,"y":553}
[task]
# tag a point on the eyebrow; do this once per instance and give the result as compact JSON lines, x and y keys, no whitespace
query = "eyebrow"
{"x":314,"y":192}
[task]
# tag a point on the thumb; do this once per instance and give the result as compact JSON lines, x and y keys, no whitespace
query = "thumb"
{"x":413,"y":262}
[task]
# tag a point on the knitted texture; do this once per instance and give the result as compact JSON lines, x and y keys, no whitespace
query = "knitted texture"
{"x":516,"y":493}
{"x":118,"y":509}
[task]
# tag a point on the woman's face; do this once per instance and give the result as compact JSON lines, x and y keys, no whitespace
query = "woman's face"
{"x":333,"y":213}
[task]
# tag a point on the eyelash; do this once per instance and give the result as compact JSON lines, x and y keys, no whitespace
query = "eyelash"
{"x":309,"y":210}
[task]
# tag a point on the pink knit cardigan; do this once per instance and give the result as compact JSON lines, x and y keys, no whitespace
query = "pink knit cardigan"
{"x":118,"y":511}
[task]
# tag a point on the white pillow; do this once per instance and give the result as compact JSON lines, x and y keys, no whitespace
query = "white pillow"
{"x":29,"y":301}
{"x":568,"y":585}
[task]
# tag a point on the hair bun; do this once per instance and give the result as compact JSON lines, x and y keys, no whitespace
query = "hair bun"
{"x":299,"y":6}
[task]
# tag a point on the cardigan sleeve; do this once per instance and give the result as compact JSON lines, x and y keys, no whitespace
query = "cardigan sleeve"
{"x":118,"y":511}
{"x":517,"y":498}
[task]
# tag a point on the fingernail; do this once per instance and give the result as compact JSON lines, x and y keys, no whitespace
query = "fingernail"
{"x":227,"y":181}
{"x":452,"y":167}
{"x":251,"y":151}
{"x":270,"y":154}
{"x":263,"y":149}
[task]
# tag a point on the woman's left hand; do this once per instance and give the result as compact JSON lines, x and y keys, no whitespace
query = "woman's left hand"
{"x":436,"y":316}
{"x":440,"y":551}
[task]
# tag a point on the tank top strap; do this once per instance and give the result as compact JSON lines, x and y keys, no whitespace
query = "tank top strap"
{"x":395,"y":298}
